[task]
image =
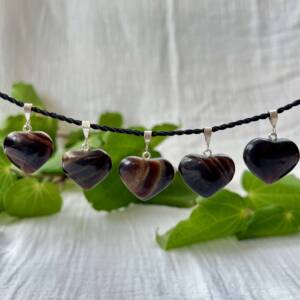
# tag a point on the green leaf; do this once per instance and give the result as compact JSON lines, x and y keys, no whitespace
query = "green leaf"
{"x":30,"y":198}
{"x":73,"y":138}
{"x":76,"y":139}
{"x":176,"y":194}
{"x":7,"y":177}
{"x":161,"y":127}
{"x":53,"y":165}
{"x":94,"y":141}
{"x":48,"y":125}
{"x":3,"y":158}
{"x":26,"y":93}
{"x":113,"y":119}
{"x":222,"y":215}
{"x":38,"y":123}
{"x":111,"y":194}
{"x":271,"y":221}
{"x":285,"y":193}
{"x":122,"y":145}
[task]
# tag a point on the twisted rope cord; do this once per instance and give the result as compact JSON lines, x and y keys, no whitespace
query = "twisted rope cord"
{"x":135,"y":132}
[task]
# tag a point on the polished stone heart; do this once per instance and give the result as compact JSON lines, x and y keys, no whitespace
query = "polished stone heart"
{"x":146,"y":178}
{"x":206,"y":175}
{"x":28,"y":150}
{"x":271,"y":160}
{"x":86,"y":168}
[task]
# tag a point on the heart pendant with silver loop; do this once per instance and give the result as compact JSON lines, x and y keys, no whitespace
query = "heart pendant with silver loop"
{"x":28,"y":150}
{"x":207,"y":173}
{"x":86,"y":166}
{"x":143,"y":176}
{"x":271,"y":159}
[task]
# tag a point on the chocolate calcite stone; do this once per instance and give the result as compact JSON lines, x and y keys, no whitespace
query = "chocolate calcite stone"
{"x":206,"y":175}
{"x":86,"y":168}
{"x":28,"y":150}
{"x":145,"y":178}
{"x":271,"y":160}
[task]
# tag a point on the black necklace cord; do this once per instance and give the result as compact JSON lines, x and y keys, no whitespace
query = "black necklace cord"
{"x":224,"y":126}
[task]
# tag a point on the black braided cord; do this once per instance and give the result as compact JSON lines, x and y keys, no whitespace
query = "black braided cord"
{"x":63,"y":118}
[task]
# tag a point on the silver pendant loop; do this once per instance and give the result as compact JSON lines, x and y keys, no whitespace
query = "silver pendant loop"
{"x":27,"y":111}
{"x":207,"y":135}
{"x":86,"y":126}
{"x":147,"y":139}
{"x":273,"y":120}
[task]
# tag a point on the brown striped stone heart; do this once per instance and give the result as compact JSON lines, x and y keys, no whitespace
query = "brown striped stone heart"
{"x":271,"y":160}
{"x":206,"y":175}
{"x":145,"y":178}
{"x":86,"y":167}
{"x":28,"y":150}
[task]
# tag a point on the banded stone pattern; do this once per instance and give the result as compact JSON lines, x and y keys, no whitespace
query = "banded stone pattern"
{"x":206,"y":175}
{"x":86,"y":168}
{"x":271,"y":160}
{"x":28,"y":150}
{"x":145,"y":178}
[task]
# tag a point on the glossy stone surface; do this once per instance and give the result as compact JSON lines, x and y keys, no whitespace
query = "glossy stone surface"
{"x":28,"y":150}
{"x":145,"y":178}
{"x":86,"y":168}
{"x":271,"y":160}
{"x":206,"y":175}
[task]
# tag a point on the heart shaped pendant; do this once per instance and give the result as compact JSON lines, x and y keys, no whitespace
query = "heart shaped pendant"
{"x":28,"y":150}
{"x":86,"y":167}
{"x":145,"y":178}
{"x":270,"y":159}
{"x":205,"y":175}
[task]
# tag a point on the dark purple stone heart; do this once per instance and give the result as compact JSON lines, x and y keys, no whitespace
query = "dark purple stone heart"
{"x":146,"y":178}
{"x":28,"y":150}
{"x":86,"y":168}
{"x":271,"y":160}
{"x":206,"y":175}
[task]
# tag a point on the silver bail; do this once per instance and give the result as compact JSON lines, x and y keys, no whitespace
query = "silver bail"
{"x":147,"y":139}
{"x":207,"y":135}
{"x":27,"y":112}
{"x":273,"y":120}
{"x":86,"y":126}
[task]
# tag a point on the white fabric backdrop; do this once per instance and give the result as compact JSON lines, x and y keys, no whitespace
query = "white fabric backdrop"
{"x":199,"y":63}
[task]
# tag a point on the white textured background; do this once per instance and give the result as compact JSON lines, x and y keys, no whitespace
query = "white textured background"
{"x":200,"y":63}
